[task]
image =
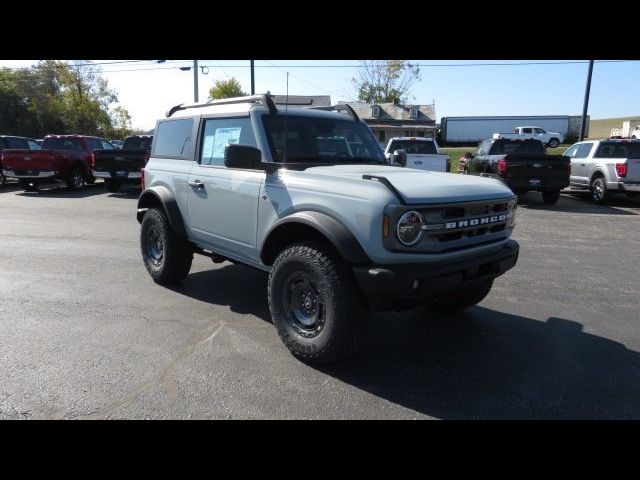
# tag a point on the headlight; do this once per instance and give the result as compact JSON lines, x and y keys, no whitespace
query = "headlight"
{"x":409,"y":228}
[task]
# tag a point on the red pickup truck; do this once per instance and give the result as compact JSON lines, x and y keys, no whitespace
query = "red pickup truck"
{"x":68,"y":158}
{"x":13,"y":142}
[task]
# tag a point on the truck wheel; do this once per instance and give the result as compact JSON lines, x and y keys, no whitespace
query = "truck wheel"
{"x":315,"y":303}
{"x":462,"y":299}
{"x":550,"y":197}
{"x":166,"y":255}
{"x":598,"y":190}
{"x":554,"y":142}
{"x":29,"y":186}
{"x":76,"y":181}
{"x":113,"y":186}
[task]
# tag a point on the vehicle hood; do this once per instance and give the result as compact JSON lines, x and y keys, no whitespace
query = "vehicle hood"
{"x":421,"y":186}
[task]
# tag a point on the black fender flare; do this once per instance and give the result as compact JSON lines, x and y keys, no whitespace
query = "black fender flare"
{"x":338,"y":234}
{"x":159,"y":194}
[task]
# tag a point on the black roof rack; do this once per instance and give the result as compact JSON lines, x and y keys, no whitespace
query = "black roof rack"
{"x":342,"y":107}
{"x":264,"y":98}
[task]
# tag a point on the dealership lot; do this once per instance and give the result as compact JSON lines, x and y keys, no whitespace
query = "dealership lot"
{"x":85,"y":333}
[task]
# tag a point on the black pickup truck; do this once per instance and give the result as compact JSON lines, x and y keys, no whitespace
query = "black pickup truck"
{"x":118,"y":167}
{"x":523,"y":165}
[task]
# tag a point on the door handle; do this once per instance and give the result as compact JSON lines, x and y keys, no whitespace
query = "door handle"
{"x":197,"y":184}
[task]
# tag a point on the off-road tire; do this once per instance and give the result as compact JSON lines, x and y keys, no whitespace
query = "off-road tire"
{"x":462,"y":299}
{"x":112,"y":186}
{"x":343,"y":312}
{"x":166,"y":255}
{"x":550,"y":197}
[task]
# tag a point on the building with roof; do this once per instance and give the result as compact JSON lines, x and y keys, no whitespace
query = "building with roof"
{"x":388,"y":120}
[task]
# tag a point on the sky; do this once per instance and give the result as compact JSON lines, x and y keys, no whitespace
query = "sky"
{"x":458,"y":87}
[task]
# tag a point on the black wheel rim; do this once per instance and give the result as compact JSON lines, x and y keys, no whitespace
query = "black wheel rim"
{"x":154,"y":247}
{"x":304,"y":304}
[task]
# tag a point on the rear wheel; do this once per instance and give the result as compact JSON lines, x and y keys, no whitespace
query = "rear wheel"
{"x":598,"y":190}
{"x":553,"y":143}
{"x":315,"y":303}
{"x":462,"y":299}
{"x":166,"y":255}
{"x":550,"y":196}
{"x":76,"y":181}
{"x":113,"y":186}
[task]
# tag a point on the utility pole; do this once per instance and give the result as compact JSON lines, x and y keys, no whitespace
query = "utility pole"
{"x":195,"y":81}
{"x":253,"y":80}
{"x":587,"y":91}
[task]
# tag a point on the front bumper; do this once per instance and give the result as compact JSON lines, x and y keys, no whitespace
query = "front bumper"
{"x":29,"y":174}
{"x":401,"y":287}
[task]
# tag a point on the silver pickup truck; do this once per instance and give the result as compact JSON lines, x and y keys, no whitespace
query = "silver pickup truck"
{"x":605,"y":166}
{"x":339,"y":230}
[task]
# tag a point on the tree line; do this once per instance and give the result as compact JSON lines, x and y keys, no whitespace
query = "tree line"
{"x":56,"y":97}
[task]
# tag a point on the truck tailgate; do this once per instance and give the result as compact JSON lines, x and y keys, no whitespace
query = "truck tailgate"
{"x":119,"y":160}
{"x":431,"y":162}
{"x":527,"y":170}
{"x":633,"y":170}
{"x":19,"y":160}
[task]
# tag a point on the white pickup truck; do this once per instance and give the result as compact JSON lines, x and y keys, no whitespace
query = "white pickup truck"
{"x":551,"y":139}
{"x":422,"y":153}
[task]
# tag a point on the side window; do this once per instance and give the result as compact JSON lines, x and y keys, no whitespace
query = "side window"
{"x":173,"y":138}
{"x":33,"y":145}
{"x":526,"y":130}
{"x":106,"y":145}
{"x":572,"y":151}
{"x":583,"y":150}
{"x":93,"y":144}
{"x":219,"y":132}
{"x":539,"y":130}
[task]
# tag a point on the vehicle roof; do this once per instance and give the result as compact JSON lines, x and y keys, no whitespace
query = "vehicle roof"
{"x":15,"y":136}
{"x":205,"y":109}
{"x":609,"y":140}
{"x":509,"y":139}
{"x":73,"y":136}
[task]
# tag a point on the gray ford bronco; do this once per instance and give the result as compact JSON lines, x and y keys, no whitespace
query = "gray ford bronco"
{"x":306,"y":195}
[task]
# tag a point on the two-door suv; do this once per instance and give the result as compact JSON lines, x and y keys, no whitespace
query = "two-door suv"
{"x":339,"y":230}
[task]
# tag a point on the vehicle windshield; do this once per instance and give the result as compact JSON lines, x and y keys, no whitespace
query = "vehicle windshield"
{"x":517,"y":148}
{"x":414,"y":146}
{"x":138,"y":143}
{"x":321,"y":140}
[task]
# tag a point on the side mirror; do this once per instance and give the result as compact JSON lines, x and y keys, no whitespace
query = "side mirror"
{"x":400,"y":157}
{"x":244,"y":156}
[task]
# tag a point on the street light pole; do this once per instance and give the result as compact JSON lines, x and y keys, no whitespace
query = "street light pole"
{"x":587,"y":91}
{"x":253,"y":80}
{"x":195,"y":81}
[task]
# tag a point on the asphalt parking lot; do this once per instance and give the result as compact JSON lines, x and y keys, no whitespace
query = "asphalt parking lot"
{"x":85,"y":333}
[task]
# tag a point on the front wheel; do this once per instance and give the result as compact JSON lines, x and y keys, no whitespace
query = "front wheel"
{"x":462,"y":299}
{"x":598,"y":190}
{"x":315,"y":303}
{"x":549,"y":197}
{"x":166,"y":255}
{"x":554,"y":142}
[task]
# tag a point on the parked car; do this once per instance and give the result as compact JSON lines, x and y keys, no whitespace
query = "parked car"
{"x":605,"y":167}
{"x":339,"y":234}
{"x":552,"y":139}
{"x":11,"y":142}
{"x":66,"y":158}
{"x":122,"y":166}
{"x":421,"y":153}
{"x":523,"y":165}
{"x":117,"y":143}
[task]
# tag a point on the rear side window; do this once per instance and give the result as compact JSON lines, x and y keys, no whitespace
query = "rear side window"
{"x":618,"y":150}
{"x":15,"y":143}
{"x":138,"y":143}
{"x":414,"y":146}
{"x":173,"y":138}
{"x":106,"y":145}
{"x":62,"y":144}
{"x":220,"y":132}
{"x":517,"y":148}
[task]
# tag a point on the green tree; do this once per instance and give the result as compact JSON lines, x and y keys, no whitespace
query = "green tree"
{"x":385,"y":81}
{"x":226,"y":89}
